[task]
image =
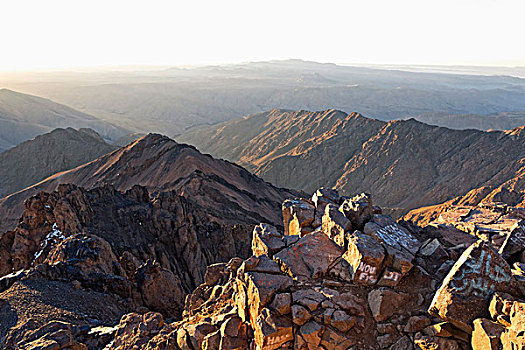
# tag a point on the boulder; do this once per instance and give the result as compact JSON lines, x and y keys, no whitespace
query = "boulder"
{"x":365,"y":255}
{"x":311,"y":335}
{"x":514,"y":242}
{"x":335,"y":224}
{"x":272,"y":331}
{"x":416,"y":324}
{"x":261,"y":288}
{"x":384,"y":303}
{"x":312,"y":256}
{"x":514,"y":336}
{"x":465,"y":293}
{"x":486,"y":335}
{"x":325,"y":196}
{"x":334,"y":340}
{"x":214,"y":273}
{"x":358,"y":210}
{"x":281,"y":303}
{"x":267,"y":240}
{"x":300,"y":315}
{"x":297,"y":215}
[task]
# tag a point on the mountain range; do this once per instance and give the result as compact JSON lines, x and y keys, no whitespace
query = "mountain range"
{"x":170,"y":100}
{"x":160,"y":164}
{"x":407,"y":164}
{"x":22,"y":117}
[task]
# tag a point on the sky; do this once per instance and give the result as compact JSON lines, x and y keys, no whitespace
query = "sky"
{"x":70,"y":33}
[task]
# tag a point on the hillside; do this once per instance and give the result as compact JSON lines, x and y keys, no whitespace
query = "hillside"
{"x":158,"y":163}
{"x":407,"y":164}
{"x":22,"y":117}
{"x":36,"y":159}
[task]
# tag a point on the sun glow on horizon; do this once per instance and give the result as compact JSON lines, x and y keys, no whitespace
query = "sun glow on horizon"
{"x":67,"y":34}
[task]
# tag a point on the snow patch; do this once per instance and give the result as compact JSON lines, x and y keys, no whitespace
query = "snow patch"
{"x":54,"y":236}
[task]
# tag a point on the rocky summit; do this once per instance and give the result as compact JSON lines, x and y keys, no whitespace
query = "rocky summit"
{"x":339,"y":275}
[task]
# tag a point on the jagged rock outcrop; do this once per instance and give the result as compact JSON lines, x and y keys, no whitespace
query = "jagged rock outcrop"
{"x":145,"y":251}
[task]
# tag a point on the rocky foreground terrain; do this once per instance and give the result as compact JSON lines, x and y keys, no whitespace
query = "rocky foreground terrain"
{"x":339,"y":275}
{"x":405,"y":164}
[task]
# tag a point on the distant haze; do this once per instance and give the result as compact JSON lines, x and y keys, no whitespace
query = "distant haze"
{"x":65,"y":34}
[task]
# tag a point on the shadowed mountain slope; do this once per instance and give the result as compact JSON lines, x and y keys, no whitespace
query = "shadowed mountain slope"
{"x":36,"y":159}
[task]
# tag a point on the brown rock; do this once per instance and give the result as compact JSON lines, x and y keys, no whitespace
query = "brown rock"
{"x":486,"y":335}
{"x":342,"y":321}
{"x":404,"y":343}
{"x":435,"y":343}
{"x":333,"y":340}
{"x":501,"y":304}
{"x":214,"y":273}
{"x":311,"y":256}
{"x":514,"y":242}
{"x":281,"y":303}
{"x":358,"y":210}
{"x":325,"y":196}
{"x":335,"y":224}
{"x":261,"y":289}
{"x":272,"y":331}
{"x":309,"y":298}
{"x":446,"y":330}
{"x":136,"y":330}
{"x":384,"y":303}
{"x":212,"y":341}
{"x":514,"y":336}
{"x":311,"y":333}
{"x":297,"y":214}
{"x":416,"y":324}
{"x":261,"y":264}
{"x":160,"y":289}
{"x":266,"y":240}
{"x":300,"y":315}
{"x":465,"y":293}
{"x":365,"y":256}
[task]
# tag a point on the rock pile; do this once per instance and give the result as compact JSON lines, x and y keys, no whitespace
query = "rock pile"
{"x":344,"y":276}
{"x":341,"y":276}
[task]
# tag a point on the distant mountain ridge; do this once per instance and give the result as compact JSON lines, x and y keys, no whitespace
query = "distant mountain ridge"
{"x":22,"y":117}
{"x":169,"y":101}
{"x":36,"y":159}
{"x":498,"y":121}
{"x":407,"y":163}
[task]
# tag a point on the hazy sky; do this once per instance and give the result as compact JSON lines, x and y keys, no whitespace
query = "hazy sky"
{"x":70,"y":33}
